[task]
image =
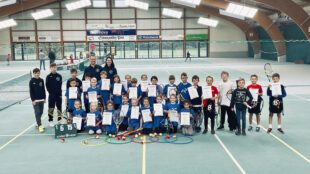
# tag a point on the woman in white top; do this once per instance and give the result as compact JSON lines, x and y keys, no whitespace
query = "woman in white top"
{"x":42,"y":59}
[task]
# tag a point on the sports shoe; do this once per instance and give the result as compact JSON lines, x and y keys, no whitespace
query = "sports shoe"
{"x":281,"y":130}
{"x":238,"y":132}
{"x":269,"y":130}
{"x":250,"y":128}
{"x":41,"y":129}
{"x":198,"y":129}
{"x":205,"y":131}
{"x":212,"y":132}
{"x":220,"y":128}
{"x":51,"y":124}
{"x":257,"y":129}
{"x":243,"y":132}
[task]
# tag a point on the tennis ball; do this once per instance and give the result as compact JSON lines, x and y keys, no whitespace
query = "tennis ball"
{"x":136,"y":136}
{"x":110,"y":135}
{"x":139,"y":134}
{"x":113,"y":136}
{"x":167,"y":137}
{"x":155,"y":134}
{"x":97,"y":137}
{"x":141,"y":138}
{"x":62,"y":140}
{"x":124,"y":138}
{"x":118,"y":138}
{"x":160,"y":134}
{"x":85,"y":142}
{"x":174,"y":136}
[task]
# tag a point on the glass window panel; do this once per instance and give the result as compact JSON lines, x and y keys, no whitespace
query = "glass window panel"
{"x":130,"y":48}
{"x":178,"y":49}
{"x":154,"y":50}
{"x":192,"y":47}
{"x":203,"y":49}
{"x":143,"y":52}
{"x":166,"y":49}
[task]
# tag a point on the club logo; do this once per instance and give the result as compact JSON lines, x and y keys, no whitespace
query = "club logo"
{"x":276,"y":102}
{"x":41,"y":84}
{"x":58,"y":78}
{"x":97,"y":70}
{"x":111,"y":72}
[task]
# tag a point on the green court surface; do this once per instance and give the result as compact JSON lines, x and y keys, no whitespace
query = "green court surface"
{"x":24,"y":150}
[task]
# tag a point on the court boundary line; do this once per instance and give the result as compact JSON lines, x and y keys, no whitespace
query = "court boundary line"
{"x":143,"y":170}
{"x":229,"y":153}
{"x":285,"y":144}
{"x":15,"y":77}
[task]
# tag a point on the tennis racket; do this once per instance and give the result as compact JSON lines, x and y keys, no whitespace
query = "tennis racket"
{"x":117,"y":119}
{"x":218,"y":115}
{"x":127,"y":133}
{"x":62,"y":114}
{"x":268,"y":71}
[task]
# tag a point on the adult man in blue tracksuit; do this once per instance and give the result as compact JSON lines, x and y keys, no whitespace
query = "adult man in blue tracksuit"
{"x":53,"y":86}
{"x":93,"y":68}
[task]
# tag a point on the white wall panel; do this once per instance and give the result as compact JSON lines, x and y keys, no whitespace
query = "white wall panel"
{"x":148,"y":24}
{"x":151,"y":13}
{"x":73,"y":24}
{"x":172,"y":23}
{"x":98,"y":13}
{"x":123,"y":13}
{"x":48,"y":25}
{"x":24,"y":25}
{"x":74,"y":35}
{"x":75,"y":14}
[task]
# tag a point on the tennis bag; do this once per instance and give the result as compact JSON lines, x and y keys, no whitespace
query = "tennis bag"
{"x":65,"y":130}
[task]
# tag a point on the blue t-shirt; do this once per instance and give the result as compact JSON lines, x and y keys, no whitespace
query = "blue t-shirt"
{"x":80,"y":113}
{"x":148,"y":124}
{"x":159,"y":121}
{"x":117,"y":99}
{"x":105,"y":94}
{"x":159,"y":91}
{"x":125,"y":120}
{"x":98,"y":119}
{"x":91,"y":89}
{"x":174,"y":107}
{"x":70,"y":102}
{"x":182,"y":90}
{"x":134,"y":123}
{"x":165,"y":90}
{"x":111,"y":128}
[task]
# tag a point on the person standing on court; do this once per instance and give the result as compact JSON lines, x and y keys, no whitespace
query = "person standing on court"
{"x":93,"y":69}
{"x":42,"y":59}
{"x":53,"y":86}
{"x":52,"y":57}
{"x":188,"y":56}
{"x":8,"y":59}
{"x":109,"y":67}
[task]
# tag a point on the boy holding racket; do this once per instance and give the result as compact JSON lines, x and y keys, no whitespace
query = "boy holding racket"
{"x":170,"y":88}
{"x":182,"y":89}
{"x":209,"y":104}
{"x":225,"y":89}
{"x":172,"y":110}
{"x":256,"y":91}
{"x":276,"y":93}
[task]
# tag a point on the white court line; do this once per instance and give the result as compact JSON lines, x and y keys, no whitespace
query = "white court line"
{"x":12,"y":78}
{"x":143,"y":157}
{"x":299,"y":97}
{"x":229,"y":153}
{"x":287,"y":145}
{"x":35,"y":135}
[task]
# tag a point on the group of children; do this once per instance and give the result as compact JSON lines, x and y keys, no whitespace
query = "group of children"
{"x":161,"y":109}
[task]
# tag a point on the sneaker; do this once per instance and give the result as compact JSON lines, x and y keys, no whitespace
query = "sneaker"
{"x":212,"y":132}
{"x":238,"y":132}
{"x":51,"y":124}
{"x":41,"y":129}
{"x":205,"y":131}
{"x":257,"y":129}
{"x":250,"y":128}
{"x":220,"y":128}
{"x":281,"y":130}
{"x":198,"y":129}
{"x":269,"y":130}
{"x":243,"y":132}
{"x":231,"y":130}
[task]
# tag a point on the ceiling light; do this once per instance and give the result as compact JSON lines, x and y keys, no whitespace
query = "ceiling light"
{"x":42,"y":14}
{"x":241,"y":10}
{"x":172,"y":13}
{"x":208,"y":22}
{"x":7,"y":23}
{"x":78,"y":4}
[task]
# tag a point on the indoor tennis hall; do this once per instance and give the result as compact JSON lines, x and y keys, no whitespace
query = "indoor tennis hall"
{"x":156,"y":38}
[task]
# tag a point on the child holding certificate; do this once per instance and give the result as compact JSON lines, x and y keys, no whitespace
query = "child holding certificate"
{"x":276,"y":93}
{"x":146,"y":113}
{"x":239,"y":99}
{"x":79,"y":116}
{"x":154,"y":90}
{"x":107,"y":119}
{"x":85,"y":86}
{"x":72,"y":93}
{"x":127,"y":82}
{"x":123,"y":113}
{"x":93,"y":93}
{"x":196,"y":102}
{"x":94,"y":119}
{"x":134,"y":115}
{"x":74,"y":74}
{"x":183,"y":89}
{"x":173,"y":109}
{"x":117,"y":90}
{"x":159,"y":118}
{"x":104,"y":86}
{"x":210,"y":95}
{"x":256,"y":91}
{"x":143,"y":85}
{"x":170,"y":88}
{"x":134,"y":91}
{"x":187,"y":119}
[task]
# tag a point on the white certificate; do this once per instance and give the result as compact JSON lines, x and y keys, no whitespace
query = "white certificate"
{"x":105,"y":84}
{"x":254,"y":93}
{"x":144,"y":85}
{"x":158,"y":108}
{"x":85,"y":85}
{"x":107,"y":118}
{"x":276,"y":89}
{"x":125,"y":84}
{"x":73,"y":92}
{"x":92,"y":96}
{"x":124,"y":110}
{"x":134,"y":112}
{"x":193,"y":93}
{"x":171,"y":90}
{"x":146,"y":114}
{"x":91,"y":120}
{"x":133,"y":92}
{"x":78,"y":122}
{"x":151,"y":90}
{"x":174,"y":116}
{"x":117,"y":90}
{"x":185,"y":118}
{"x":207,"y":92}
